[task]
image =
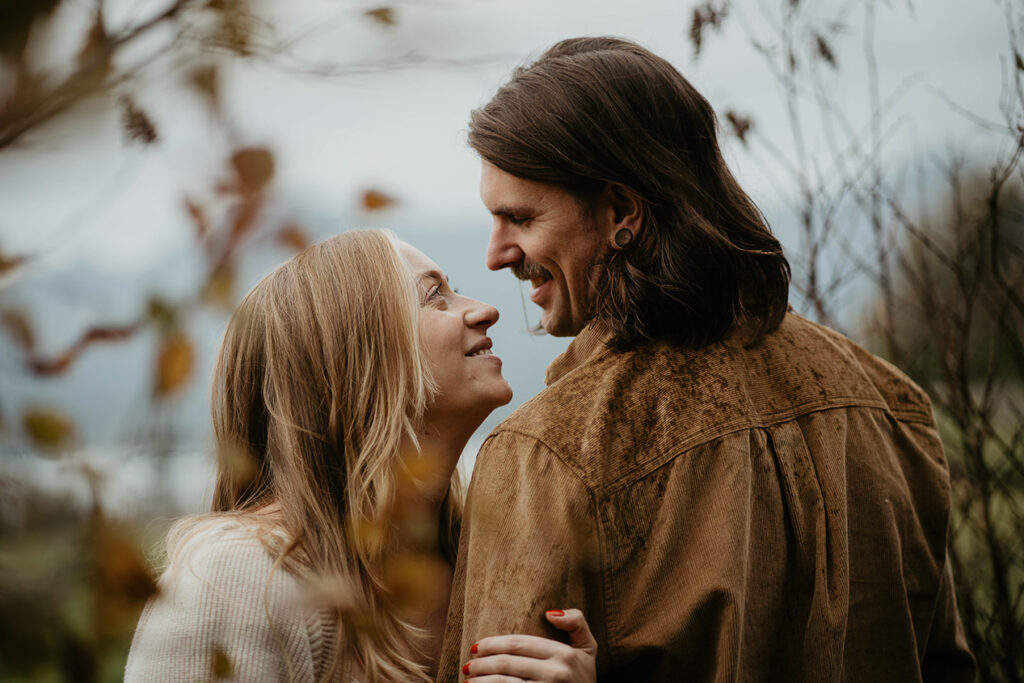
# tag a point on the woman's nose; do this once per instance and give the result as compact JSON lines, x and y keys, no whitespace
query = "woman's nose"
{"x":481,"y":315}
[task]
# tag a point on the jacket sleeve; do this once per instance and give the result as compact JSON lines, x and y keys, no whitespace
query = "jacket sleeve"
{"x":529,"y":544}
{"x":221,"y":612}
{"x":947,"y":657}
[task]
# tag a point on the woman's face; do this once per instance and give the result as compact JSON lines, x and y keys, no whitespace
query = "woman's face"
{"x":453,"y":334}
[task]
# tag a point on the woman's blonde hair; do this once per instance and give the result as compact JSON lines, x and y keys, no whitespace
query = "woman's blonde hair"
{"x":319,"y":383}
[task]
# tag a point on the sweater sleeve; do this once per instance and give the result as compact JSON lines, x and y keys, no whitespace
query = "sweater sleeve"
{"x":221,"y":610}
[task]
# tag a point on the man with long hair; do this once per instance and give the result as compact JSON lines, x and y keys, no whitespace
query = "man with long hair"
{"x":727,"y":490}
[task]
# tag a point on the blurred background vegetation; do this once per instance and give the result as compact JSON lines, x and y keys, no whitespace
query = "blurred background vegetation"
{"x":914,"y":250}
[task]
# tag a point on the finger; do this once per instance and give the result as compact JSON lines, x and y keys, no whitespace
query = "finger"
{"x":573,"y":622}
{"x":518,"y":644}
{"x":526,"y":668}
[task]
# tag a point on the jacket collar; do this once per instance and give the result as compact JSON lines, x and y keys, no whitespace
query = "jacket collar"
{"x":589,"y":342}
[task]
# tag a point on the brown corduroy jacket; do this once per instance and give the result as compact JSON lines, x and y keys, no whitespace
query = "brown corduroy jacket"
{"x":725,"y":514}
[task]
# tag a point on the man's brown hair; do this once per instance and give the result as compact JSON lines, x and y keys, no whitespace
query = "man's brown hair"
{"x":598,"y":111}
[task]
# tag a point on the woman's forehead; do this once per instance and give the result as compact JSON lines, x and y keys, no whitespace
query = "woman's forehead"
{"x":416,"y":260}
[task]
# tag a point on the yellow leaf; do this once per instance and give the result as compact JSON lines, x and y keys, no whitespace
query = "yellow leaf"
{"x":121,"y":568}
{"x":375,"y":200}
{"x":236,"y":465}
{"x":220,"y":288}
{"x":382,"y":15}
{"x":254,"y":167}
{"x":161,"y":312}
{"x":413,"y":581}
{"x":174,"y":364}
{"x":47,"y":428}
{"x":121,"y":578}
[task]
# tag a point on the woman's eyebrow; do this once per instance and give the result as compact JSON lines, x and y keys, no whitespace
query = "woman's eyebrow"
{"x":433,"y":275}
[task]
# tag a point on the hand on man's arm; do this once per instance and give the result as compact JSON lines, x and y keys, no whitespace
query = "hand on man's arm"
{"x":529,"y":544}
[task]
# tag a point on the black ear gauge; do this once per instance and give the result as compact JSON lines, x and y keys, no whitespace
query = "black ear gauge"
{"x":623,"y":238}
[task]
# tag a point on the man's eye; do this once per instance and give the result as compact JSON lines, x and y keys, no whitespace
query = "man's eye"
{"x":518,"y":220}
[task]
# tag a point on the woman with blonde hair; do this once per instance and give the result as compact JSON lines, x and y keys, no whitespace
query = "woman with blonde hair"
{"x":349,"y":381}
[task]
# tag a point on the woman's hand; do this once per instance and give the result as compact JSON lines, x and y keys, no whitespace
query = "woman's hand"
{"x":516,"y":658}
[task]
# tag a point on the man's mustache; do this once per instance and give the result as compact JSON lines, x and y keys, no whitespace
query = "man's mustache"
{"x":530,"y":271}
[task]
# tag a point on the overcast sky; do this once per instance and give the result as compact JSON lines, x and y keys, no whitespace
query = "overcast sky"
{"x":98,"y":214}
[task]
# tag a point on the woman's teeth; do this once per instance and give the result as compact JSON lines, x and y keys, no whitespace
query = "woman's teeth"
{"x":481,"y":352}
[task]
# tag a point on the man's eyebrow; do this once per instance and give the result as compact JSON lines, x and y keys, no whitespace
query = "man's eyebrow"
{"x":510,"y":211}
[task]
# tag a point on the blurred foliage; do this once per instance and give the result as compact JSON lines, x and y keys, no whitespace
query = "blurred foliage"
{"x":73,"y":580}
{"x":71,"y":590}
{"x":958,"y":329}
{"x":946,"y":281}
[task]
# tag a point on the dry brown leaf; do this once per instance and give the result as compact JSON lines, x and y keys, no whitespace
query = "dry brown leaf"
{"x":245,"y":217}
{"x":8,"y":263}
{"x":382,"y":15}
{"x":206,"y":81}
{"x":220,"y":664}
{"x":375,"y":200}
{"x":48,"y":429}
{"x":53,"y":366}
{"x":19,"y":327}
{"x":106,"y":334}
{"x":174,"y":364}
{"x":254,"y":167}
{"x":97,"y":49}
{"x":198,"y":216}
{"x":824,"y":50}
{"x":293,"y":236}
{"x":136,"y":123}
{"x":706,"y":16}
{"x":740,"y":124}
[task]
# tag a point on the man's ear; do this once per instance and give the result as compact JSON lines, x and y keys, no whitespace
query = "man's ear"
{"x":623,"y":209}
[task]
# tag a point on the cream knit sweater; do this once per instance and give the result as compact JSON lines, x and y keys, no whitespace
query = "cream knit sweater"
{"x":221,"y":610}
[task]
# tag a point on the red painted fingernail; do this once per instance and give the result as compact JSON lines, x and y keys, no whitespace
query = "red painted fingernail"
{"x":476,"y":646}
{"x":465,"y":668}
{"x":556,"y":613}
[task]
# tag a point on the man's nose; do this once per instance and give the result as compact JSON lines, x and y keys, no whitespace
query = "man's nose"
{"x":502,"y":251}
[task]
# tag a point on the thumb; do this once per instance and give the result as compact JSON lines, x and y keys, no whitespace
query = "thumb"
{"x":572,"y":622}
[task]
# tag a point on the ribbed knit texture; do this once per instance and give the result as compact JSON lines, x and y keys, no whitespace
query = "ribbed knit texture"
{"x":221,"y":607}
